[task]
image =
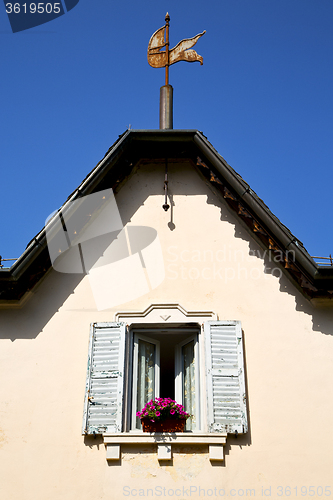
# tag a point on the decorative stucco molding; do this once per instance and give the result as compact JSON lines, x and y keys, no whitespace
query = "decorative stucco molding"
{"x":165,"y":313}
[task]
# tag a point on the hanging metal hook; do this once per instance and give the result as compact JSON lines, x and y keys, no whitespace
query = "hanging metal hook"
{"x":166,"y":206}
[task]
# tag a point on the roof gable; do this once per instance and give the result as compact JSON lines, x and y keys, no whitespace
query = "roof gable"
{"x":135,"y":146}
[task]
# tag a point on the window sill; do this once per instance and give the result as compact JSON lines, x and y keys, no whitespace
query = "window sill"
{"x":164,"y":443}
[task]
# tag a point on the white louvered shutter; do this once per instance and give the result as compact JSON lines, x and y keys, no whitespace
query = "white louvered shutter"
{"x":105,"y":379}
{"x":226,"y":396}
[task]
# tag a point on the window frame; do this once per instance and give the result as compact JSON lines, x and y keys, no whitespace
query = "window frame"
{"x":135,"y":351}
{"x":179,"y":375}
{"x":138,"y":332}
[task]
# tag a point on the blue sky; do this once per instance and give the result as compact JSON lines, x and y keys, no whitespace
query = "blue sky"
{"x":263,"y":98}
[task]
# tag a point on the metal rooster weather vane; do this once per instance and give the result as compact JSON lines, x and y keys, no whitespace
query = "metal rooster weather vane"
{"x":159,"y":59}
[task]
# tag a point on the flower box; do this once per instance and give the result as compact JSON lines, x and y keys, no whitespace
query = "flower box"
{"x":163,"y":415}
{"x":168,"y":425}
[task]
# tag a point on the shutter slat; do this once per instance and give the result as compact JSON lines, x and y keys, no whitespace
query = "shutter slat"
{"x":104,"y":386}
{"x":225,"y":377}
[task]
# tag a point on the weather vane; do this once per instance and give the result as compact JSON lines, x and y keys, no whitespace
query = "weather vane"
{"x":159,"y":59}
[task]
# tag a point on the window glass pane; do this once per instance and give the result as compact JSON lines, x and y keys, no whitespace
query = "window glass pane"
{"x":189,"y":382}
{"x":146,"y":374}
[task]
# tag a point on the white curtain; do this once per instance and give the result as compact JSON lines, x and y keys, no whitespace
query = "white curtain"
{"x":189,"y":383}
{"x":146,"y":375}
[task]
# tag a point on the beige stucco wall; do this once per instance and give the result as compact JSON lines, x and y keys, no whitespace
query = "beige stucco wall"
{"x":211,"y":263}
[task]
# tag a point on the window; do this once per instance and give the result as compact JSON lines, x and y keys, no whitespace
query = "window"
{"x":201,"y":366}
{"x":165,"y":364}
{"x":146,"y":374}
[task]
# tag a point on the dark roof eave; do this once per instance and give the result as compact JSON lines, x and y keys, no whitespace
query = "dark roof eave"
{"x":245,"y":194}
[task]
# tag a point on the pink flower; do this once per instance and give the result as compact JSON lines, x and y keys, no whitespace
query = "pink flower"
{"x":158,"y":414}
{"x":172,"y":412}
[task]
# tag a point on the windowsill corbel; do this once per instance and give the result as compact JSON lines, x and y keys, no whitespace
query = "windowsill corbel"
{"x":164,"y":441}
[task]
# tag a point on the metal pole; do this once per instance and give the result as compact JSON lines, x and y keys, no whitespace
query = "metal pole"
{"x":166,"y":107}
{"x":166,"y":92}
{"x":167,"y":20}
